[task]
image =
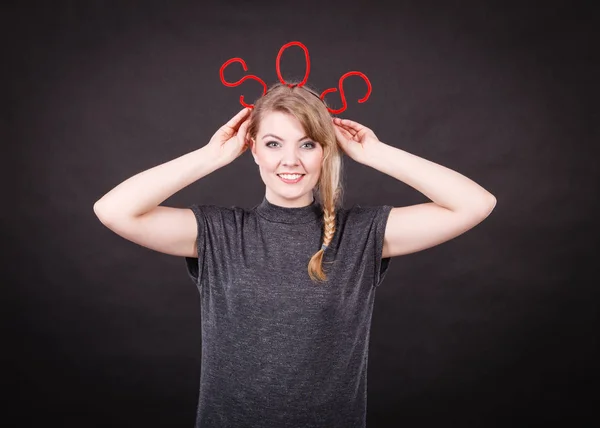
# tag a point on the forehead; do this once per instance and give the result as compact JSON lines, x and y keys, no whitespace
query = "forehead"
{"x":281,"y":124}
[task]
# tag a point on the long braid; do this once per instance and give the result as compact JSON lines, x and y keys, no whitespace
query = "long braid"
{"x":329,"y":190}
{"x":315,"y":266}
{"x":328,"y":225}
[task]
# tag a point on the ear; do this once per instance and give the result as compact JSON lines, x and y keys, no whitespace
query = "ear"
{"x":252,"y":144}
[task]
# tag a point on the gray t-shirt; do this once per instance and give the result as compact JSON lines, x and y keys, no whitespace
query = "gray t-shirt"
{"x":278,"y":350}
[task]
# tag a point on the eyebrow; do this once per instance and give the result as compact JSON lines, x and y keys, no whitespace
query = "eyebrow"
{"x":281,"y":139}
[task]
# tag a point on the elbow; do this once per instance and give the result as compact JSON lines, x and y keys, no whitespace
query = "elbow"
{"x":102,"y":212}
{"x":491,"y":202}
{"x":488,"y":206}
{"x":110,"y":214}
{"x":97,"y":207}
{"x":98,"y":211}
{"x":479,"y":208}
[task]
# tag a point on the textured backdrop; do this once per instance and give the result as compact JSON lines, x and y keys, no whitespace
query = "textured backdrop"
{"x":496,"y":328}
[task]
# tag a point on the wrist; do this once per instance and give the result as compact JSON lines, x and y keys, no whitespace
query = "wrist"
{"x":374,"y":153}
{"x":210,"y":159}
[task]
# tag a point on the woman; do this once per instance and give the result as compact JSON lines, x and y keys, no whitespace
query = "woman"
{"x":287,"y":287}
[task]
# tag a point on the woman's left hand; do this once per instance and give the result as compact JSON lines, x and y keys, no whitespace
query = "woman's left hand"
{"x":356,"y":140}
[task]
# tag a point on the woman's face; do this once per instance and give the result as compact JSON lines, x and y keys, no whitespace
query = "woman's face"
{"x":281,"y":147}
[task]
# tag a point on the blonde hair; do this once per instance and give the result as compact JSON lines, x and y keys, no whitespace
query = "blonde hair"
{"x":305,"y":105}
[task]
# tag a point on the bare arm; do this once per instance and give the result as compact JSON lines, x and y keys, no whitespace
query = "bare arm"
{"x":132,"y":209}
{"x":459,"y":203}
{"x":145,"y":191}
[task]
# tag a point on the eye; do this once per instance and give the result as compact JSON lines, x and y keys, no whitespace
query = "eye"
{"x":310,"y":144}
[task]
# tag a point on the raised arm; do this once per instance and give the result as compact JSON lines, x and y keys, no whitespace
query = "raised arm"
{"x":132,"y":209}
{"x":459,"y":204}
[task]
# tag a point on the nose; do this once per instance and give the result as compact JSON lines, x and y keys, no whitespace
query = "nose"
{"x":290,"y":157}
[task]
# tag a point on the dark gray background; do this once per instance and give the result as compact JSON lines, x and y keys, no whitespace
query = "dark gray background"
{"x":495,"y":328}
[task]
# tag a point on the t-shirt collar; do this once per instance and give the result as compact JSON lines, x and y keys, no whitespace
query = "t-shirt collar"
{"x":287,"y":215}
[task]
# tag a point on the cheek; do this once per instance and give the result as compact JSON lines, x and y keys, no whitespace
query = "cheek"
{"x":266,"y":163}
{"x":317,"y":162}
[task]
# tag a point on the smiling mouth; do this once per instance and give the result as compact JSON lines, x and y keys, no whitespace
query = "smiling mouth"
{"x":290,"y":178}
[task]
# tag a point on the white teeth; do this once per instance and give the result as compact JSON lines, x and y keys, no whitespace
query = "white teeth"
{"x":290,"y":176}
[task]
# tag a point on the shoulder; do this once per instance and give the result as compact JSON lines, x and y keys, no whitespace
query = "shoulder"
{"x":219,"y":214}
{"x":210,"y":208}
{"x":360,"y":214}
{"x":362,"y":222}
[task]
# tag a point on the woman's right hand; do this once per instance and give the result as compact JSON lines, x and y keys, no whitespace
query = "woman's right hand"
{"x":229,"y":142}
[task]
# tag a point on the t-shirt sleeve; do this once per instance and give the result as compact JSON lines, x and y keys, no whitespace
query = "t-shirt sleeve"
{"x":363,"y":237}
{"x":381,"y":264}
{"x":211,"y":221}
{"x":194,"y":265}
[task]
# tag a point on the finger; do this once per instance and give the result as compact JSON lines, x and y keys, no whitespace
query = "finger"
{"x":234,"y":122}
{"x":342,"y":133}
{"x":351,"y":124}
{"x":348,"y":128}
{"x":351,"y":131}
{"x":347,"y":123}
{"x":242,"y":131}
{"x":347,"y":132}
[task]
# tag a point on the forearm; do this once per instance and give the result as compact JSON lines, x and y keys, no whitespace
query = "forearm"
{"x":442,"y":185}
{"x":148,"y":189}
